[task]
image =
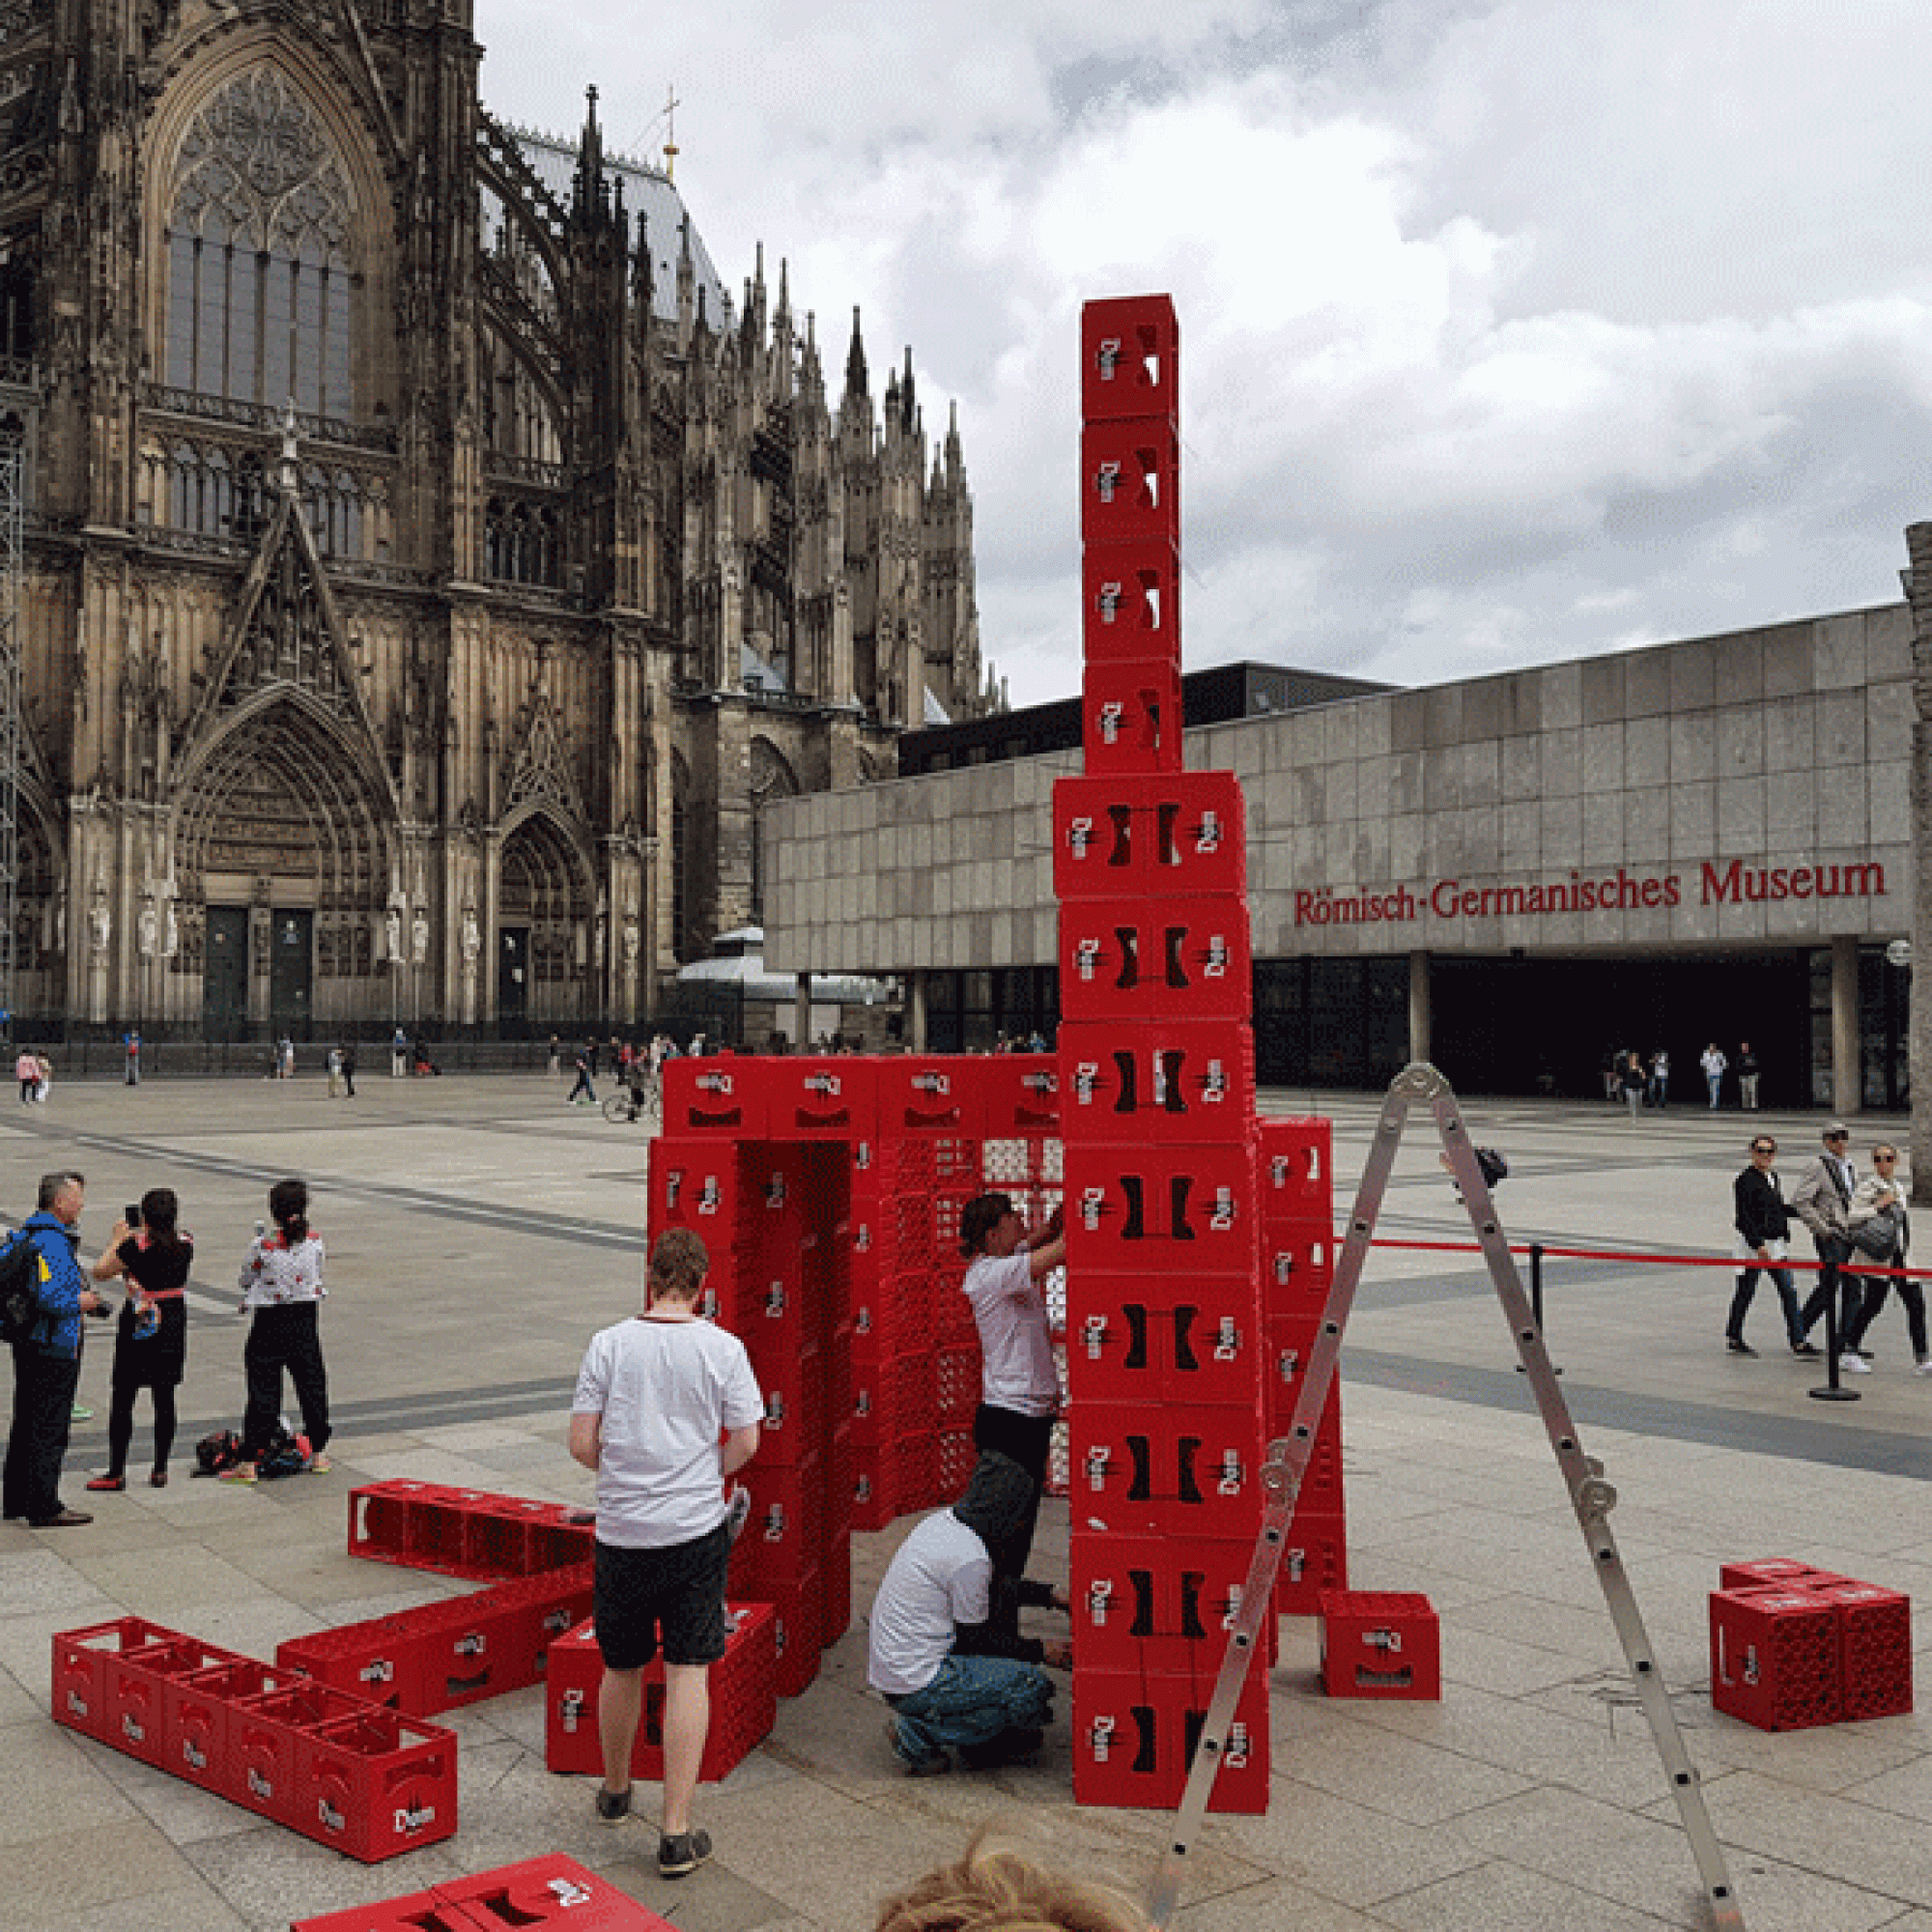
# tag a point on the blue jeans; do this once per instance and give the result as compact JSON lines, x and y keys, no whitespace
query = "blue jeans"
{"x":970,"y":1701}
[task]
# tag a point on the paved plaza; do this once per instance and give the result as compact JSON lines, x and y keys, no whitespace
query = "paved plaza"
{"x":478,"y":1230}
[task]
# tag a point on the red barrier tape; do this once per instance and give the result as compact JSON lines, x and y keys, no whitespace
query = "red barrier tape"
{"x":1732,"y":1261}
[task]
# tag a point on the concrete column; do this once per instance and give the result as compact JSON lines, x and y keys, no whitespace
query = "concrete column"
{"x":1418,"y":1006}
{"x":1847,"y":1086}
{"x":801,"y":1015}
{"x":915,"y":1012}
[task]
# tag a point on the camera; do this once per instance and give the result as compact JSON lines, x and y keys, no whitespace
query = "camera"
{"x":130,"y":1214}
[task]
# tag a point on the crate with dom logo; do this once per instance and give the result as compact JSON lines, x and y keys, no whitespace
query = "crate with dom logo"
{"x":744,"y":1700}
{"x":1135,"y":1734}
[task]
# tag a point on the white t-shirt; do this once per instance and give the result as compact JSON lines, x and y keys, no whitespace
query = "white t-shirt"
{"x":941,"y":1577}
{"x":1018,"y":1372}
{"x":667,"y":1391}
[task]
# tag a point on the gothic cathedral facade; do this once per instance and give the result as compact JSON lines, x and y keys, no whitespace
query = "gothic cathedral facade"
{"x":429,"y":573}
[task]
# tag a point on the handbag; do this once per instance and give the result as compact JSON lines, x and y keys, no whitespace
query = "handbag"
{"x":1877,"y":1238}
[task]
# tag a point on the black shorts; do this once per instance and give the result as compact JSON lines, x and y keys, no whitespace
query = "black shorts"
{"x":678,"y":1590}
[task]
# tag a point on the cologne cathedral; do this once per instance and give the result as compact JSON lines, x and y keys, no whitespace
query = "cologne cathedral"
{"x":427,"y":573}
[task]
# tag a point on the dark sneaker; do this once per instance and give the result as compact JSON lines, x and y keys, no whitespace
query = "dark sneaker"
{"x":613,"y":1806}
{"x":681,"y":1856}
{"x":1810,"y":1350}
{"x":1737,"y":1345}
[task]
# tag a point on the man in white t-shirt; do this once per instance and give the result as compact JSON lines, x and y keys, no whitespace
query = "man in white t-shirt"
{"x":945,"y":1651}
{"x":1019,"y":1385}
{"x":653,"y":1396}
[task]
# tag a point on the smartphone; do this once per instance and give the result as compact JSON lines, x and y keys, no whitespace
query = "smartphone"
{"x":131,"y":1215}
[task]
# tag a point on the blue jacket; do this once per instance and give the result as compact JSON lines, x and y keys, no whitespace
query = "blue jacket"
{"x":61,"y":1286}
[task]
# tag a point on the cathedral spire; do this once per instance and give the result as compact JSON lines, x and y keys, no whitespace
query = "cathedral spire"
{"x":590,"y":187}
{"x":857,"y":382}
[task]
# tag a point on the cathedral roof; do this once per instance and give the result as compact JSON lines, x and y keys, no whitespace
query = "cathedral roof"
{"x":647,"y":192}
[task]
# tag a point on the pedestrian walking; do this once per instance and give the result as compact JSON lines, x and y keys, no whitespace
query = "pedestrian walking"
{"x":334,"y":1067}
{"x":282,"y":1287}
{"x":1748,"y":1072}
{"x":1880,"y":1227}
{"x":1714,"y":1064}
{"x":399,"y":1055}
{"x":132,"y":1042}
{"x":46,"y":1360}
{"x":27,"y":1072}
{"x":1821,"y":1199}
{"x":585,"y":1061}
{"x":667,"y":1410}
{"x":1763,"y":1223}
{"x":154,"y":1257}
{"x":1634,"y":1081}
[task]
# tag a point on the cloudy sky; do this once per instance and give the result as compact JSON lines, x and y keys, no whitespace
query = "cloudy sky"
{"x":1512,"y":329}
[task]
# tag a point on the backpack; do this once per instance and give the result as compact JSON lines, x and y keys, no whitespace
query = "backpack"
{"x":1492,"y":1165}
{"x":217,"y":1453}
{"x":285,"y":1456}
{"x":20,"y":1312}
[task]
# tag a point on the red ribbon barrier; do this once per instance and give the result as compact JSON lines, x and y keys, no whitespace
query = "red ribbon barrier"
{"x":1732,"y":1261}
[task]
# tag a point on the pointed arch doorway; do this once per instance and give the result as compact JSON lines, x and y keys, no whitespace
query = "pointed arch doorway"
{"x":545,"y":913}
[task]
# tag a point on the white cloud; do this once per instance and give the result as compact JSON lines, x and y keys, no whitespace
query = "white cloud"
{"x":1512,"y":329}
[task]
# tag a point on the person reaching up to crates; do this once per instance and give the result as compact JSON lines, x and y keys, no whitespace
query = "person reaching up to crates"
{"x":1020,"y":1384}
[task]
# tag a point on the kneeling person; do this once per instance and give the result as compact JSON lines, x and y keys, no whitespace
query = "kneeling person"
{"x":653,"y":1396}
{"x":946,"y":1649}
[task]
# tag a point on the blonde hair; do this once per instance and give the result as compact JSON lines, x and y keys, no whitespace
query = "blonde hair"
{"x":996,"y":1886}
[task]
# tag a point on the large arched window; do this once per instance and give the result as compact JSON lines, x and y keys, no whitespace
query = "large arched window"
{"x":261,"y":276}
{"x":772,"y":779}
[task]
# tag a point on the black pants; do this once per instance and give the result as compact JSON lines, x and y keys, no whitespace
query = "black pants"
{"x":44,"y":1386}
{"x":1911,"y":1294}
{"x":1787,"y":1295}
{"x":1027,"y":1439}
{"x":1834,"y":1279}
{"x":284,"y":1336}
{"x":120,"y":1425}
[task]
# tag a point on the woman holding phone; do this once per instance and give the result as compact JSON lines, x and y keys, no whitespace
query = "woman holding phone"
{"x":151,"y":1339}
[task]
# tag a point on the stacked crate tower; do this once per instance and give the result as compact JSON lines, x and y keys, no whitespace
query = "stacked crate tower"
{"x":1168,"y":1375}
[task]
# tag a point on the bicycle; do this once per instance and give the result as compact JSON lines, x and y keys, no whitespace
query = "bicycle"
{"x":626,"y":1105}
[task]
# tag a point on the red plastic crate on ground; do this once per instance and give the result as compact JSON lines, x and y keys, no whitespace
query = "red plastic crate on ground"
{"x":1874,"y":1647}
{"x":1129,"y":358}
{"x":377,"y":1785}
{"x":87,"y":1661}
{"x":1134,"y":1736}
{"x":1775,"y":1659}
{"x":143,"y":1696}
{"x":1314,"y":1559}
{"x":411,"y":1911}
{"x":553,"y":1891}
{"x":269,"y":1735}
{"x":1775,"y":1571}
{"x":1380,"y":1643}
{"x":744,"y":1700}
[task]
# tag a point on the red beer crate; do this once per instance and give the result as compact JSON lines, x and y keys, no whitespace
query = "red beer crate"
{"x":915,"y":1470}
{"x":1380,"y":1643}
{"x":537,"y":1611}
{"x":1133,"y":1208}
{"x":1020,"y":1096}
{"x":795,"y":1418}
{"x":1874,"y":1646}
{"x":1163,"y":1338}
{"x":1160,"y":1080}
{"x":1199,"y":843}
{"x":820,"y":1098}
{"x":1134,"y":1734}
{"x":205,"y":1717}
{"x":1297,"y":1269}
{"x":264,"y":1763}
{"x":958,"y":1456}
{"x":797,"y":1617}
{"x":743,"y":1703}
{"x":1137,"y":1471}
{"x":1129,"y":358}
{"x":895,"y":1398}
{"x":835,"y":1592}
{"x":724,"y":1096}
{"x":1778,"y":1571}
{"x":1130,"y":600}
{"x":1775,"y":1659}
{"x":959,"y":1373}
{"x":1107,"y":961}
{"x":1131,"y":719}
{"x":1314,"y":1558}
{"x":87,"y":1664}
{"x":553,"y":1891}
{"x":1142,"y":1605}
{"x":922,"y":1095}
{"x":142,"y":1696}
{"x":379,"y":1658}
{"x":1103,"y":835}
{"x":874,"y":1498}
{"x":1297,"y":1184}
{"x":784,"y":1535}
{"x":411,"y":1911}
{"x":1130,"y":480}
{"x":777,"y":1315}
{"x":377,"y":1785}
{"x":696,"y":1184}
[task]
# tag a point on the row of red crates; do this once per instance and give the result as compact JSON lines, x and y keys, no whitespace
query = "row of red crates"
{"x":1792,"y":1646}
{"x":345,"y":1771}
{"x":468,"y":1533}
{"x":550,"y":1891}
{"x":863,"y":1099}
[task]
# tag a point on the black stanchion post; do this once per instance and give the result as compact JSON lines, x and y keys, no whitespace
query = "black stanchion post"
{"x":1831,"y":1392}
{"x":1536,"y":1296}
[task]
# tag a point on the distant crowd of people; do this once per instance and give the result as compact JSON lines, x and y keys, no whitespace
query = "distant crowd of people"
{"x":1640,"y":1083}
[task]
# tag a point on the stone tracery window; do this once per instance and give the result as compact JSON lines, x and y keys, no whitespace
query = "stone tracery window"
{"x":261,"y":254}
{"x":772,"y":778}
